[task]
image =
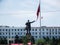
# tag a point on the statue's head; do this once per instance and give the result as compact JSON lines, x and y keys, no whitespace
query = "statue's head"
{"x":28,"y":20}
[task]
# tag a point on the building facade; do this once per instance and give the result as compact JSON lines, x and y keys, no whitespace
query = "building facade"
{"x":37,"y":32}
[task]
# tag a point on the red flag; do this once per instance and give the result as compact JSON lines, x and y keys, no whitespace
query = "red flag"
{"x":38,"y":10}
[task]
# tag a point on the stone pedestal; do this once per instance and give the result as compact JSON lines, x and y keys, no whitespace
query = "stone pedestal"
{"x":30,"y":38}
{"x":28,"y":35}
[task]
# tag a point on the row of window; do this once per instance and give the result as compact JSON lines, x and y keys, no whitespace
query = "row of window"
{"x":46,"y":33}
{"x":32,"y":29}
{"x":12,"y":33}
{"x":12,"y":29}
{"x":32,"y":33}
{"x":33,"y":36}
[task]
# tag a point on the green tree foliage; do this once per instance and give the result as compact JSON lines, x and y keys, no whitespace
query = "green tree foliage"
{"x":46,"y":39}
{"x":40,"y":41}
{"x":3,"y":41}
{"x":16,"y":39}
{"x":25,"y":40}
{"x":32,"y":40}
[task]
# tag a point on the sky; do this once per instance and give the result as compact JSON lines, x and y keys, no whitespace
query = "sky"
{"x":17,"y":12}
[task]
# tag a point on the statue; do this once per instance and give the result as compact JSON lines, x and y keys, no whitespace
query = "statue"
{"x":28,"y":29}
{"x":28,"y":26}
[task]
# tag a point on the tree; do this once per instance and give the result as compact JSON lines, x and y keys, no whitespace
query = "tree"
{"x":3,"y":41}
{"x":32,"y":40}
{"x":46,"y":39}
{"x":16,"y":39}
{"x":40,"y":41}
{"x":25,"y":40}
{"x":20,"y":40}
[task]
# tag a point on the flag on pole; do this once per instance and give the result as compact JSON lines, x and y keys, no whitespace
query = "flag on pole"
{"x":38,"y":10}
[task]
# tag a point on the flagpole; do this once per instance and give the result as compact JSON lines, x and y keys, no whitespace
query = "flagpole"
{"x":40,"y":15}
{"x":40,"y":11}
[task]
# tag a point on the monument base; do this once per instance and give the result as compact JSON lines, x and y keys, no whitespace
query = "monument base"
{"x":30,"y":38}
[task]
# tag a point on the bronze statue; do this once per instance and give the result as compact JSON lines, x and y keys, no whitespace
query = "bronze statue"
{"x":28,"y":26}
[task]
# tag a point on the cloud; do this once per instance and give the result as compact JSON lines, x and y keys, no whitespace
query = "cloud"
{"x":16,"y":5}
{"x":17,"y":12}
{"x":51,"y":19}
{"x":20,"y":14}
{"x":50,"y":5}
{"x":17,"y":18}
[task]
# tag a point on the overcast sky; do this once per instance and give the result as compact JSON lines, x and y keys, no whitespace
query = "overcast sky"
{"x":17,"y":12}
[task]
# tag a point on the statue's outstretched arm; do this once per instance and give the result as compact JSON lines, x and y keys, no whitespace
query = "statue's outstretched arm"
{"x":32,"y":21}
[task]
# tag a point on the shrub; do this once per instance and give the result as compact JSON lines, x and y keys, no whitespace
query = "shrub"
{"x":40,"y":41}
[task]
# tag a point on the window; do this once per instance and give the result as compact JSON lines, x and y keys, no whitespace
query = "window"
{"x":59,"y":36}
{"x":0,"y":29}
{"x":43,"y":29}
{"x":46,"y":29}
{"x":49,"y":30}
{"x":56,"y":36}
{"x":32,"y":32}
{"x":12,"y":29}
{"x":24,"y":29}
{"x":0,"y":33}
{"x":9,"y":33}
{"x":43,"y":32}
{"x":21,"y":33}
{"x":56,"y":29}
{"x":43,"y":37}
{"x":3,"y":29}
{"x":6,"y":36}
{"x":15,"y":29}
{"x":18,"y":29}
{"x":6,"y":29}
{"x":3,"y":33}
{"x":3,"y":36}
{"x":59,"y":29}
{"x":39,"y":36}
{"x":52,"y":29}
{"x":9,"y":29}
{"x":39,"y":32}
{"x":9,"y":36}
{"x":36,"y":36}
{"x":21,"y":29}
{"x":46,"y":32}
{"x":50,"y":36}
{"x":32,"y":29}
{"x":35,"y":29}
{"x":59,"y":32}
{"x":12,"y":37}
{"x":12,"y":33}
{"x":36,"y":33}
{"x":53,"y":33}
{"x":15,"y":33}
{"x":50,"y":33}
{"x":39,"y":29}
{"x":18,"y":33}
{"x":6,"y":33}
{"x":24,"y":33}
